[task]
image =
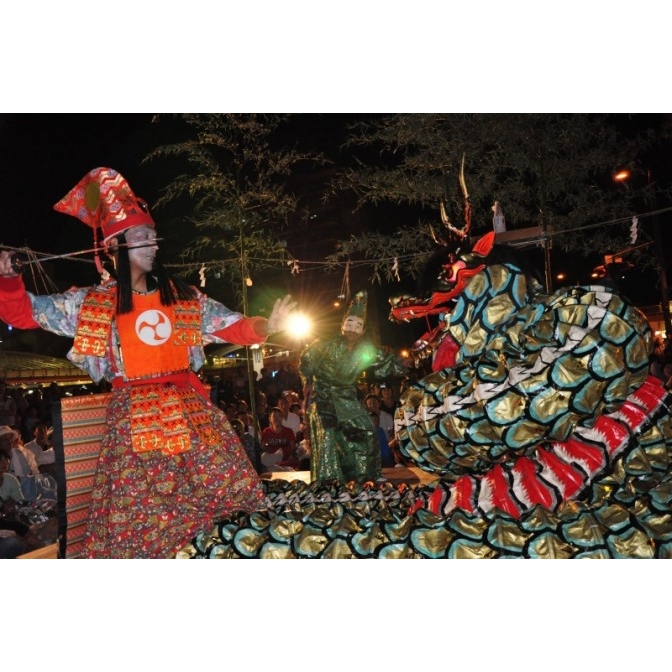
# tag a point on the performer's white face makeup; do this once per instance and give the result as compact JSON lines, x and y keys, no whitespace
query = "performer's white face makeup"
{"x":353,"y":325}
{"x":142,"y":247}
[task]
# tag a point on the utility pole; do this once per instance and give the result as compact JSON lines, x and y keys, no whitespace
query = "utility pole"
{"x":251,"y":374}
{"x":623,"y":176}
{"x":547,"y":261}
{"x":662,"y":275}
{"x":660,"y":262}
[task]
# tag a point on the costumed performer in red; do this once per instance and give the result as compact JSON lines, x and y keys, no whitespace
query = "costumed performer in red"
{"x":170,"y":463}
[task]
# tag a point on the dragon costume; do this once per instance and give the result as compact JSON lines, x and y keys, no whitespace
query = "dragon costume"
{"x":547,"y":436}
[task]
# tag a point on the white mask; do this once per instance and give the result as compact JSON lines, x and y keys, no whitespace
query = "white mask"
{"x":353,"y":324}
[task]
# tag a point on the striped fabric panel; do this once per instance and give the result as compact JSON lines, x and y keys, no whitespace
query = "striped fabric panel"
{"x":83,"y":427}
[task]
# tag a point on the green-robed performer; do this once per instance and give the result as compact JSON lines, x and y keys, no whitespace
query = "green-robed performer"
{"x":343,"y":444}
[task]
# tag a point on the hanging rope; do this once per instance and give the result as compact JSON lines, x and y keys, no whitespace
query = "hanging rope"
{"x":397,"y":262}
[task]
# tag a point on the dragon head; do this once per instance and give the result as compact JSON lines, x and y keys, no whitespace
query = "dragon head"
{"x":455,"y":275}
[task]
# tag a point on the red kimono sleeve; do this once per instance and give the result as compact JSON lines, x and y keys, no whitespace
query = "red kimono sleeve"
{"x":15,"y":307}
{"x":247,"y":331}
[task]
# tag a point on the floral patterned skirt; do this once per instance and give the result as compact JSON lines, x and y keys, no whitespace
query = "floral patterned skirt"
{"x":149,"y":504}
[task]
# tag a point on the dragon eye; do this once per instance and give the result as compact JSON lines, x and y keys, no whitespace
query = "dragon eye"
{"x":455,"y":268}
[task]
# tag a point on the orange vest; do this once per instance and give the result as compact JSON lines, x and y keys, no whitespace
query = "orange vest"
{"x":154,"y":342}
{"x":146,"y":338}
{"x":152,"y":337}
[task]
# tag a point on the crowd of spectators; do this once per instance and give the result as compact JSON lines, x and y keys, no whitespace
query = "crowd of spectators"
{"x":278,"y":395}
{"x":24,"y":408}
{"x":28,"y":487}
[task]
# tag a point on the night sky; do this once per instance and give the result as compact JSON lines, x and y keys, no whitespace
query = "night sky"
{"x":45,"y":155}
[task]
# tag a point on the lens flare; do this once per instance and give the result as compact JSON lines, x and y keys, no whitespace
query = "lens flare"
{"x":298,"y":325}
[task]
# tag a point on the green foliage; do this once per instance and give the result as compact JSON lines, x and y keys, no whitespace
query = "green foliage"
{"x":548,"y":170}
{"x":410,"y":251}
{"x":233,"y":184}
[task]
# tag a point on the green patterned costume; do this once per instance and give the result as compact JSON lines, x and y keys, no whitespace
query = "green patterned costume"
{"x":343,"y":444}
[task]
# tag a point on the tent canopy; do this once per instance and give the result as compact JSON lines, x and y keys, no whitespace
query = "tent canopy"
{"x":28,"y":368}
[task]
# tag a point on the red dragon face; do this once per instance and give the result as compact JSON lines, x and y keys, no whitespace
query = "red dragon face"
{"x":453,"y":279}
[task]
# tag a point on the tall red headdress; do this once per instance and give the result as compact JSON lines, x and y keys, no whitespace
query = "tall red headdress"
{"x":103,"y":200}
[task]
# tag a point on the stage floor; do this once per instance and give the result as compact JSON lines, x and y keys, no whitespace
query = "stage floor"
{"x":395,"y":475}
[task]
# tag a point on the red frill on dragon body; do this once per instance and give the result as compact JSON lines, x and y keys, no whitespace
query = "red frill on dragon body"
{"x":535,"y":400}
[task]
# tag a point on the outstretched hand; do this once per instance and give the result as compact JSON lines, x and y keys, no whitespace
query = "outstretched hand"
{"x":282,"y":309}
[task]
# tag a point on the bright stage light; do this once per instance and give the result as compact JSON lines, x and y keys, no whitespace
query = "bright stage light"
{"x":298,"y":325}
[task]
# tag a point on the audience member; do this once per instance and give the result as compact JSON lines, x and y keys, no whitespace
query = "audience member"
{"x":297,"y":409}
{"x":7,"y":406}
{"x":29,"y":422}
{"x":42,"y":449}
{"x":10,"y":487}
{"x":262,"y":410}
{"x":16,"y":536}
{"x":278,"y":444}
{"x":385,"y":420}
{"x":24,"y":467}
{"x":289,"y":419}
{"x":249,"y":442}
{"x":22,"y":461}
{"x":267,"y":385}
{"x":246,"y":418}
{"x":386,"y":457}
{"x":295,"y":382}
{"x":11,"y":542}
{"x":231,"y":410}
{"x":20,"y":399}
{"x":388,"y":399}
{"x":292,"y":397}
